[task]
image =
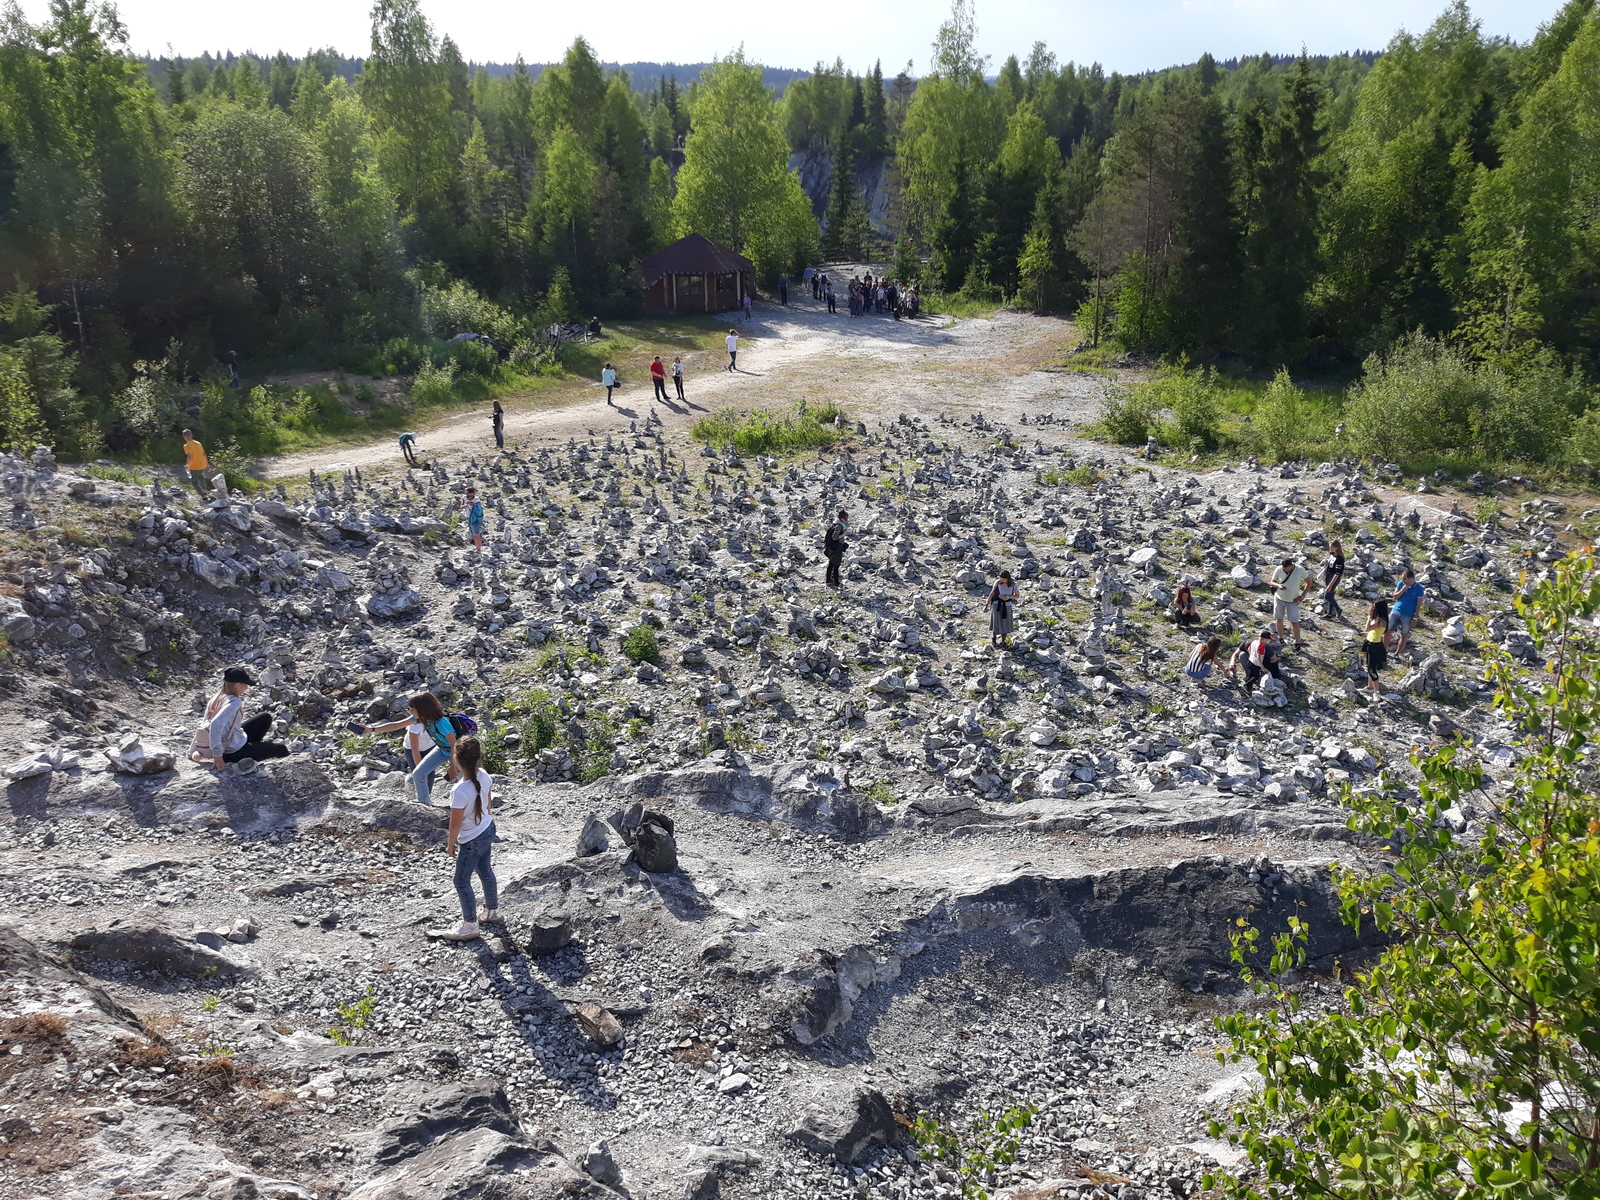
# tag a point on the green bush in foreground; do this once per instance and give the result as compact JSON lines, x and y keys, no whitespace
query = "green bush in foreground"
{"x":642,"y":645}
{"x":1466,"y":1062}
{"x":762,"y":431}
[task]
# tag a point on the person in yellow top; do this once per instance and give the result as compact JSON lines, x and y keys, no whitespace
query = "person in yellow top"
{"x":195,"y":455}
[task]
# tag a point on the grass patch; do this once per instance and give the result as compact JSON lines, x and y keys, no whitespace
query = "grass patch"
{"x":762,"y":431}
{"x":1083,"y":476}
{"x":954,"y":304}
{"x":117,"y":475}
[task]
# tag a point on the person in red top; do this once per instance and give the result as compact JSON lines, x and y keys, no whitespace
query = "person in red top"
{"x":658,"y":376}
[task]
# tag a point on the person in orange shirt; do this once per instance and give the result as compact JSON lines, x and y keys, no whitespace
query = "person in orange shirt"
{"x":195,"y":455}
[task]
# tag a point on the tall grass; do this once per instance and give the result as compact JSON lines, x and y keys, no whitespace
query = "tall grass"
{"x":762,"y":431}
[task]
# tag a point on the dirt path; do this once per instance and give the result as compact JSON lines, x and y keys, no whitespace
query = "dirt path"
{"x":872,"y":366}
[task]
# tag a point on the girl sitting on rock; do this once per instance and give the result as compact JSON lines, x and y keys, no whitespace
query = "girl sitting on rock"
{"x":229,"y":737}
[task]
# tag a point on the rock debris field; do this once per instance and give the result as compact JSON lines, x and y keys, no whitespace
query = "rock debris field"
{"x":830,"y":863}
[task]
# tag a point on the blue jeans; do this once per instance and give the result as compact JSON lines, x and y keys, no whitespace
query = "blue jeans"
{"x":422,"y":776}
{"x":472,"y":857}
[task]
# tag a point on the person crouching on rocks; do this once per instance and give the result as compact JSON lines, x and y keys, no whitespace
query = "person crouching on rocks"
{"x":471,"y":842}
{"x":440,"y":730}
{"x":229,"y":737}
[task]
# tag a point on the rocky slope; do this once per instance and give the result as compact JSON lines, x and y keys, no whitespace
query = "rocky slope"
{"x":828,"y":863}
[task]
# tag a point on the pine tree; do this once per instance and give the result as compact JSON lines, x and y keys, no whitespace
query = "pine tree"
{"x":875,"y":136}
{"x":846,"y":222}
{"x":955,"y":236}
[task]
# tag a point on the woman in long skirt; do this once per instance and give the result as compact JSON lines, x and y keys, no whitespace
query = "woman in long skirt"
{"x":1002,"y":609}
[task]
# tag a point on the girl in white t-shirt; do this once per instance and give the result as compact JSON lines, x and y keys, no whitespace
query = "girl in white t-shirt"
{"x":471,"y":841}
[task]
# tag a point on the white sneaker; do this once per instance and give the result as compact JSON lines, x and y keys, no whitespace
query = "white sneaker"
{"x":466,"y":931}
{"x":490,"y":916}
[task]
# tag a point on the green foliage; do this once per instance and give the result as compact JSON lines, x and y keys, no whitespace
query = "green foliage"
{"x":354,"y":1018}
{"x":1281,"y":420}
{"x":642,"y":645}
{"x":735,"y":185}
{"x":1128,"y":413}
{"x":542,"y":725}
{"x":492,"y":737}
{"x":762,"y":431}
{"x":117,"y":475}
{"x":879,"y":792}
{"x":1426,"y":396}
{"x":594,"y":755}
{"x":979,"y":1156}
{"x":1463,"y":1062}
{"x":435,"y":384}
{"x":1083,"y":475}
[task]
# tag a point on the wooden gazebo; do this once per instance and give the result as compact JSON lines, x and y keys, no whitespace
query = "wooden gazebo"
{"x":694,"y":274}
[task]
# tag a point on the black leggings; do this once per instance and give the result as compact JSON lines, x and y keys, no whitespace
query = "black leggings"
{"x":256,"y":728}
{"x":677,"y":382}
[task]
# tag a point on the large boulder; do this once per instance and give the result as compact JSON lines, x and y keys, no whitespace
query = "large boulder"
{"x":392,"y":605}
{"x":479,"y":1104}
{"x":843,"y":1125}
{"x":136,"y":757}
{"x":149,"y":944}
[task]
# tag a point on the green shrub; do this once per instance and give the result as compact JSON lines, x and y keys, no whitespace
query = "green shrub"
{"x":456,"y":308}
{"x":1279,"y":427}
{"x":435,"y":385}
{"x":542,"y":726}
{"x":403,"y":356}
{"x":1191,"y":397}
{"x":642,"y":645}
{"x":474,"y":358}
{"x":492,"y":737}
{"x":1127,"y":414}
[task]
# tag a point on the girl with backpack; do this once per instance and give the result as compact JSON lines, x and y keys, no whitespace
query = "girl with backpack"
{"x":470,"y":842}
{"x":440,"y":730}
{"x":227,"y":737}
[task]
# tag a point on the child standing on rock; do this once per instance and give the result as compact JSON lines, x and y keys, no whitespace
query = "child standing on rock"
{"x":471,"y":842}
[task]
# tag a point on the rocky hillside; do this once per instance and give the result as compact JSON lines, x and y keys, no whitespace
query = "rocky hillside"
{"x":797,"y":867}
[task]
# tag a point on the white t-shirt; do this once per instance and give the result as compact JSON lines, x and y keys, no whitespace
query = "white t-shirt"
{"x":424,"y":743}
{"x":1289,"y":584}
{"x":677,"y":370}
{"x":462,"y":797}
{"x":733,"y":342}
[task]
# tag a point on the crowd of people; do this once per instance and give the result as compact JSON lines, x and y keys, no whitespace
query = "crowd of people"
{"x":1385,"y":631}
{"x":863,"y":294}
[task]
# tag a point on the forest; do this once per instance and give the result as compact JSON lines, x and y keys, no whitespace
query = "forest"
{"x":1416,"y":220}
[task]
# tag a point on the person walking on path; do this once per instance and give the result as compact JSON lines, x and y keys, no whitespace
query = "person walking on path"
{"x":1204,"y":659}
{"x":732,"y":342}
{"x":783,"y":290}
{"x":677,"y":374}
{"x":1374,"y":644}
{"x":472,"y":509}
{"x":1332,"y":576}
{"x":499,"y":419}
{"x":194,"y":455}
{"x":470,"y":841}
{"x":1002,"y":609}
{"x":1292,"y":581}
{"x":408,"y":444}
{"x":834,"y":544}
{"x":746,"y":305}
{"x":441,"y":732}
{"x":229,"y":738}
{"x":658,"y":377}
{"x":827,"y":289}
{"x":608,"y":379}
{"x":1407,"y":595}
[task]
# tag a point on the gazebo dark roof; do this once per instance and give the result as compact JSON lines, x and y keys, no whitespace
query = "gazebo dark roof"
{"x":693,"y":255}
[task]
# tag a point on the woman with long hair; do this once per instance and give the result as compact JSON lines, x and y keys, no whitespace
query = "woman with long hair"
{"x":229,"y":738}
{"x":1204,"y":659}
{"x":1002,"y":609}
{"x":470,"y":842}
{"x":440,"y":730}
{"x":1374,"y":650}
{"x":1184,"y":610}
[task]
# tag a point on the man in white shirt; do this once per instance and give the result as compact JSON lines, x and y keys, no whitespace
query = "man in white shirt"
{"x":733,"y":349}
{"x":1292,"y":582}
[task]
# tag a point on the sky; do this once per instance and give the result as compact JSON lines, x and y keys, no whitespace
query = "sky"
{"x":1123,"y":35}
